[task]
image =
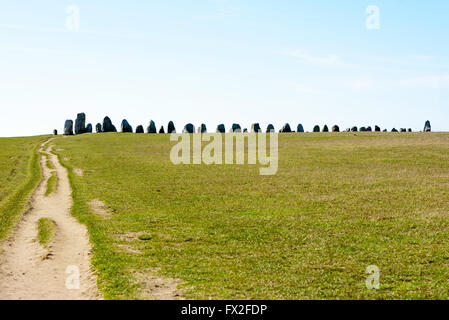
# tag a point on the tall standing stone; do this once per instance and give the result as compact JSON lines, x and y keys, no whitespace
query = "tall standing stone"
{"x":255,"y":127}
{"x":55,"y":132}
{"x":300,"y":128}
{"x":286,"y":128}
{"x":151,"y":127}
{"x":427,"y":127}
{"x":139,"y":129}
{"x":89,"y":128}
{"x":98,"y":128}
{"x":80,"y":123}
{"x":270,"y":128}
{"x":126,"y":127}
{"x":221,"y":128}
{"x":236,"y":128}
{"x":189,"y":128}
{"x":171,"y":127}
{"x":108,"y":126}
{"x":68,"y":128}
{"x":203,"y":128}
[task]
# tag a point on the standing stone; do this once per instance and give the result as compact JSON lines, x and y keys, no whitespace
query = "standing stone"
{"x":394,"y":130}
{"x":171,"y":127}
{"x":335,"y":128}
{"x":89,"y":128}
{"x":316,"y":128}
{"x":98,"y":128}
{"x":139,"y":129}
{"x":354,"y":129}
{"x":325,"y":128}
{"x":221,"y":128}
{"x":410,"y":130}
{"x":377,"y":128}
{"x":385,"y":130}
{"x":80,"y":123}
{"x":202,"y":129}
{"x":270,"y":128}
{"x":188,"y":128}
{"x":369,"y":129}
{"x":245,"y":130}
{"x":348,"y":130}
{"x":286,"y":128}
{"x":427,"y":127}
{"x":255,"y":127}
{"x":403,"y":130}
{"x":236,"y":128}
{"x":68,"y":128}
{"x":161,"y":130}
{"x":55,"y":132}
{"x":362,"y":129}
{"x":108,"y":126}
{"x":300,"y":128}
{"x":151,"y":127}
{"x":126,"y":127}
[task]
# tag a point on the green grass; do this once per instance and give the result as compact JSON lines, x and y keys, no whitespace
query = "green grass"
{"x":48,"y":162}
{"x":46,"y":231}
{"x":52,"y":183}
{"x":339,"y":203}
{"x":19,"y":175}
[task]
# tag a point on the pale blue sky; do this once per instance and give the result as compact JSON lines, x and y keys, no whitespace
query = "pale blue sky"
{"x":224,"y":61}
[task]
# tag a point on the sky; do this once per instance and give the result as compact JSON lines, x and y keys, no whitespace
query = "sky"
{"x":224,"y":61}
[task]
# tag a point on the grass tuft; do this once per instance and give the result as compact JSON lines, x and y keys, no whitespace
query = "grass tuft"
{"x":51,"y":184}
{"x":46,"y":231}
{"x":49,"y":163}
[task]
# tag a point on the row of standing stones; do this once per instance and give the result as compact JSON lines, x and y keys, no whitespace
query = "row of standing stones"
{"x":107,"y":126}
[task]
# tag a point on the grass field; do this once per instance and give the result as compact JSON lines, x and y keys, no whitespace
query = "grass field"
{"x":19,"y":175}
{"x":338,"y":204}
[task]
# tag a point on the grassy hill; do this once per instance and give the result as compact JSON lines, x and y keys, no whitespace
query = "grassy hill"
{"x":19,"y":175}
{"x":338,"y":204}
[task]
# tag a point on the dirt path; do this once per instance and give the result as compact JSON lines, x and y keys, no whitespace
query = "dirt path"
{"x":27,"y":270}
